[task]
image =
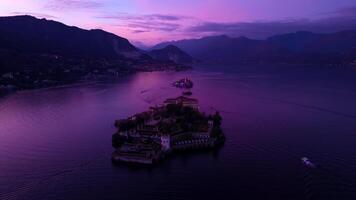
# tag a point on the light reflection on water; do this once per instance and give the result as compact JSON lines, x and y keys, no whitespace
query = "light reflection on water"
{"x":56,"y":143}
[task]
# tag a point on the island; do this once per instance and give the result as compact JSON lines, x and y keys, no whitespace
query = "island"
{"x":177,"y":125}
{"x":183,"y":83}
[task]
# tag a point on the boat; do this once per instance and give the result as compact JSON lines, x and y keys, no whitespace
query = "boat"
{"x":308,"y":163}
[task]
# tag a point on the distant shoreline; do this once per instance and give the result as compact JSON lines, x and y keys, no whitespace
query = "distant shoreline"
{"x":12,"y":89}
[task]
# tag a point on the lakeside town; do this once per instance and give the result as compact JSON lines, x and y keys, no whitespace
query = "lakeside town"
{"x":177,"y":125}
{"x":58,"y":71}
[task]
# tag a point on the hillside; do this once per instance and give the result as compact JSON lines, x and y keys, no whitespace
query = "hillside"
{"x":300,"y":47}
{"x":171,"y":53}
{"x":38,"y":53}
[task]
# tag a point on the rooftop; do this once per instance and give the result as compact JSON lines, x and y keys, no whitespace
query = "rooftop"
{"x":181,"y":99}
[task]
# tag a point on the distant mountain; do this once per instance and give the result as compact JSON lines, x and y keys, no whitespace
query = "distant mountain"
{"x":29,"y":34}
{"x":300,"y":47}
{"x":171,"y":53}
{"x":226,"y":50}
{"x":308,"y":42}
{"x":38,"y":53}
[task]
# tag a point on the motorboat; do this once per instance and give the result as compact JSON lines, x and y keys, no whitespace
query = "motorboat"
{"x":307,"y":162}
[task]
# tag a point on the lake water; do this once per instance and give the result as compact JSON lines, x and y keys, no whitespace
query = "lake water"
{"x":56,"y":143}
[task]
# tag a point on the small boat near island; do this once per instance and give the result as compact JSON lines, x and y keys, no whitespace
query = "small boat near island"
{"x":183,"y":83}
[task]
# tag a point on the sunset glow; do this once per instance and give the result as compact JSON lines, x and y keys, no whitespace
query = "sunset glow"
{"x":154,"y":99}
{"x":152,"y":21}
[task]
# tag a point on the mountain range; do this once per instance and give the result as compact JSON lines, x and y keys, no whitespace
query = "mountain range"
{"x":37,"y":53}
{"x":299,"y":47}
{"x":171,"y":53}
{"x":29,"y":42}
{"x":29,"y":34}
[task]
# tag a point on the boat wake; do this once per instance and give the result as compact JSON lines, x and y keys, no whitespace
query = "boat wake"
{"x":323,"y":183}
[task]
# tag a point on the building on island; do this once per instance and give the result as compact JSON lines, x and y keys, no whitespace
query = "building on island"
{"x":185,"y":101}
{"x":166,"y":142}
{"x":138,"y":152}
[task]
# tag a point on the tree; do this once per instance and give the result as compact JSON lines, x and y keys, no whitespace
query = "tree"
{"x":118,"y":140}
{"x":217,"y":119}
{"x":216,"y":132}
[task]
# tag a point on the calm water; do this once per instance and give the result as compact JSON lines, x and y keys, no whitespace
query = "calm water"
{"x":56,"y":143}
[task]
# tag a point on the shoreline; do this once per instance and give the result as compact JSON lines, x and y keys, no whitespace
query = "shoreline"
{"x":167,"y":155}
{"x":7,"y":92}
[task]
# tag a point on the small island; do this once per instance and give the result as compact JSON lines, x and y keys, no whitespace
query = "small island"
{"x":183,"y":83}
{"x":178,"y":125}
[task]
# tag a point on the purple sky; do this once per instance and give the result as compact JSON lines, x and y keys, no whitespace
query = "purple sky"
{"x":152,"y":21}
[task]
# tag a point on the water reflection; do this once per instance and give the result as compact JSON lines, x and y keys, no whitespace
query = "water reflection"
{"x":57,"y":142}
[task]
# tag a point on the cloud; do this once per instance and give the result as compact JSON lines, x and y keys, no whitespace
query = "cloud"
{"x":174,"y":27}
{"x":166,"y":17}
{"x":73,"y":4}
{"x":146,"y":23}
{"x":343,"y":19}
{"x":139,"y":31}
{"x":153,"y":26}
{"x":132,"y":17}
{"x":344,"y":12}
